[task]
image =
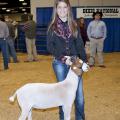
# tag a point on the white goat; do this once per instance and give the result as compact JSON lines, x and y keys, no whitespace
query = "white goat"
{"x":42,"y":95}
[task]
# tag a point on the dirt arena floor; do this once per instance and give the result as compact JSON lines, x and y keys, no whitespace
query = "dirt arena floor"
{"x":101,"y":88}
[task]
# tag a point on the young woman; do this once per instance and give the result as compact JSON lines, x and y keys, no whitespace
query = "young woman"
{"x":64,"y":39}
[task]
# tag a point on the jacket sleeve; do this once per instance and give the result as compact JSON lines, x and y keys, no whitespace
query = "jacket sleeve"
{"x":51,"y":43}
{"x":80,"y":47}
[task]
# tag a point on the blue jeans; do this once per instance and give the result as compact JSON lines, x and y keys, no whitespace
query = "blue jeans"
{"x":61,"y":71}
{"x":4,"y":49}
{"x":11,"y":50}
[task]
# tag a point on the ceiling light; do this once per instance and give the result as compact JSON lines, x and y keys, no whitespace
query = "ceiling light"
{"x":23,"y":9}
{"x":8,"y":10}
{"x":24,"y":3}
{"x":21,"y":0}
{"x":25,"y":12}
{"x":3,"y":8}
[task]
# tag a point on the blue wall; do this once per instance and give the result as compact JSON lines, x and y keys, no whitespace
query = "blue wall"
{"x":111,"y":44}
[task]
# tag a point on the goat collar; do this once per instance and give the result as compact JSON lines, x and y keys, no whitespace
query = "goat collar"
{"x":76,"y":67}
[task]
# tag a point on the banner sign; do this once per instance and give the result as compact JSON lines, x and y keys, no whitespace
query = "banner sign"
{"x":108,"y":12}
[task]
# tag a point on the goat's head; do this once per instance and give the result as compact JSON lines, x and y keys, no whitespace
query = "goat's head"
{"x":77,"y":65}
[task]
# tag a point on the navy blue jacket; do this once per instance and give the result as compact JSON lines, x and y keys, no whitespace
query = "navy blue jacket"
{"x":59,"y":47}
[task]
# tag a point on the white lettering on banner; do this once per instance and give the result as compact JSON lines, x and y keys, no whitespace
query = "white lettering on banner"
{"x":108,"y":12}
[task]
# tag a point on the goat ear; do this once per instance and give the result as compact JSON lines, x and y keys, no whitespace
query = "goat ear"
{"x":76,"y":70}
{"x":78,"y":63}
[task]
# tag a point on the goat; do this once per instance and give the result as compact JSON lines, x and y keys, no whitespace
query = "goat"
{"x":43,"y":95}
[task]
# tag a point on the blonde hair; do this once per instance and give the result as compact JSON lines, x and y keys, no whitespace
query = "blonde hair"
{"x":71,"y":23}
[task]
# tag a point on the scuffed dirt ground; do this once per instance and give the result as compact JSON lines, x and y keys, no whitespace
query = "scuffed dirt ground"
{"x":101,"y":88}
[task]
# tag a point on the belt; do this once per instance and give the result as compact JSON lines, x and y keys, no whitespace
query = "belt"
{"x":96,"y":37}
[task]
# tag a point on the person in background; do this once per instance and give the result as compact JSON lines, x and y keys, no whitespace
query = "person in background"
{"x":64,"y":39}
{"x":4,"y":33}
{"x":16,"y":39}
{"x":96,"y":33}
{"x":10,"y":40}
{"x":30,"y":33}
{"x":15,"y":24}
{"x":83,"y":29}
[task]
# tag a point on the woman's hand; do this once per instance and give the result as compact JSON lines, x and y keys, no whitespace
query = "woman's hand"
{"x":68,"y":60}
{"x":85,"y":67}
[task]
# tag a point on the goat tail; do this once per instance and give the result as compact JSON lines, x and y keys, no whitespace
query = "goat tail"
{"x":12,"y":98}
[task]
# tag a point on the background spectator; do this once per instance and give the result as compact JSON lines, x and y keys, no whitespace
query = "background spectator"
{"x":97,"y":33}
{"x":30,"y":33}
